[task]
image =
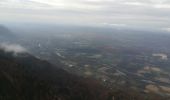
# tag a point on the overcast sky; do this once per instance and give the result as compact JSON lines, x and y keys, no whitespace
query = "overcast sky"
{"x":116,"y":13}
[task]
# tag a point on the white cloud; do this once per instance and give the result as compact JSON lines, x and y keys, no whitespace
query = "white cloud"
{"x":114,"y":25}
{"x":15,"y":48}
{"x":135,"y":3}
{"x":154,"y":4}
{"x":49,"y":4}
{"x":158,"y":1}
{"x":166,"y":6}
{"x":166,"y":29}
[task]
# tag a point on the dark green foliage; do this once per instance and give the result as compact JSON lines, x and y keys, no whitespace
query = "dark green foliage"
{"x":28,"y":78}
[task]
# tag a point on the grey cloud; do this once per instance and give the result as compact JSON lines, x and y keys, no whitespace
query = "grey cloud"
{"x":149,"y":13}
{"x":14,"y":48}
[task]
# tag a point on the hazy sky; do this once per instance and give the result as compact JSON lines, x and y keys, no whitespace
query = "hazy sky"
{"x":116,"y":13}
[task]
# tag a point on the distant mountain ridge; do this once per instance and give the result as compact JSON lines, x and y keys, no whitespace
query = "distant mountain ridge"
{"x":6,"y":35}
{"x":4,"y":31}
